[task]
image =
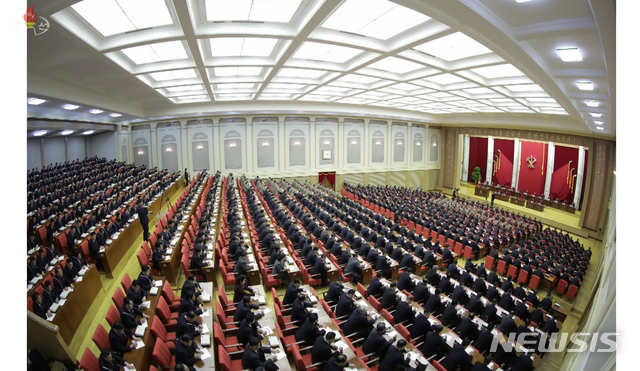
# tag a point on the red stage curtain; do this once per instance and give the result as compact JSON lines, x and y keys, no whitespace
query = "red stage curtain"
{"x":331,"y":176}
{"x":566,"y":159}
{"x":503,"y":165}
{"x":532,"y":180}
{"x":478,"y":148}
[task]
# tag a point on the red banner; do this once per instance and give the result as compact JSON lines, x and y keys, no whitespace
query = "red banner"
{"x":532,"y":167}
{"x":331,"y":176}
{"x":478,"y":148}
{"x":503,"y":162}
{"x":563,"y":180}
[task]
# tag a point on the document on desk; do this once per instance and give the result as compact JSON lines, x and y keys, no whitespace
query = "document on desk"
{"x":153,"y":291}
{"x":205,"y":313}
{"x":273,"y":341}
{"x":268,"y":331}
{"x":139,"y":344}
{"x":158,"y":283}
{"x":205,"y":354}
{"x":78,"y":279}
{"x":205,"y":340}
{"x":145,"y":304}
{"x":205,"y":298}
{"x":205,"y":329}
{"x":140,"y":330}
{"x":341,"y":344}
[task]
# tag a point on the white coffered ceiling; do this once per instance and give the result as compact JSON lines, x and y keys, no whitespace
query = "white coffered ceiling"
{"x":471,"y":62}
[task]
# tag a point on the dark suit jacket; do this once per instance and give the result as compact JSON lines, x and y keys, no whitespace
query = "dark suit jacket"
{"x":186,"y":354}
{"x":245,"y":332}
{"x":308,"y":332}
{"x":456,"y":358}
{"x":376,"y":343}
{"x":393,"y":358}
{"x":252,"y":359}
{"x":322,"y":351}
{"x":291,"y":294}
{"x":119,"y":342}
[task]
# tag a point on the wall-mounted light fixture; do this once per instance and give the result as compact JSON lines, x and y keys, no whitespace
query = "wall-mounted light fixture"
{"x":399,"y":143}
{"x":265,"y":144}
{"x":377,"y":143}
{"x":296,"y":143}
{"x":199,"y":147}
{"x":140,"y":153}
{"x":418,"y":144}
{"x":434,"y":144}
{"x":169,"y":149}
{"x":327,"y":142}
{"x":232,"y":145}
{"x":354,"y":143}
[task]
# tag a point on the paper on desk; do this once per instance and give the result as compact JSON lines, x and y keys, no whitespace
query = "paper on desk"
{"x":158,"y":283}
{"x":280,"y":355}
{"x":205,"y":298}
{"x":265,"y":311}
{"x":35,"y":279}
{"x":205,"y":355}
{"x":78,"y":279}
{"x":51,"y":318}
{"x":205,"y":313}
{"x":146,"y":304}
{"x":268,"y":331}
{"x":341,"y":344}
{"x":205,"y":329}
{"x":273,"y":341}
{"x":139,"y":344}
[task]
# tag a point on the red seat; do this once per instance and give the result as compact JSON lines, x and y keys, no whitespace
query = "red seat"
{"x":101,"y":338}
{"x":522,"y":276}
{"x":225,"y":361}
{"x":152,"y":239}
{"x":230,"y":343}
{"x":162,"y":356}
{"x":229,"y":278}
{"x":303,"y":362}
{"x":143,"y":259}
{"x":562,"y":285}
{"x":118,"y":298}
{"x":84,"y":249}
{"x":113,"y":315}
{"x":534,"y":282}
{"x":573,"y":289}
{"x":166,"y":316}
{"x":468,"y":252}
{"x":404,"y":332}
{"x":126,"y":282}
{"x":89,"y":361}
{"x":375,"y":303}
{"x":418,"y":230}
{"x":411,"y":225}
{"x":167,"y":294}
{"x":285,"y":340}
{"x":512,"y":272}
{"x":502,"y":267}
{"x":457,"y":248}
{"x":226,"y":322}
{"x":159,"y":332}
{"x":146,"y":249}
{"x":437,"y":365}
{"x":488,"y":263}
{"x":362,"y":291}
{"x":388,"y":317}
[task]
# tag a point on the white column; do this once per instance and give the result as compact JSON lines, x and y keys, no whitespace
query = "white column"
{"x":282,"y":140}
{"x":184,"y":147}
{"x":118,"y":144}
{"x":215,"y":146}
{"x":249,"y":144}
{"x":516,"y":163}
{"x":551,"y":156}
{"x":390,"y":144}
{"x":340,"y":146}
{"x":487,"y":177}
{"x":312,"y":144}
{"x":366,"y":142}
{"x":129,"y":145}
{"x":464,"y":174}
{"x":154,"y":146}
{"x":579,"y":178}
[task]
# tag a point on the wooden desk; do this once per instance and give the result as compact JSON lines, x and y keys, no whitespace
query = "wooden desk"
{"x":141,"y":358}
{"x":504,"y":198}
{"x":69,"y":316}
{"x":517,"y":201}
{"x":481,"y":191}
{"x":209,"y":363}
{"x":269,"y":320}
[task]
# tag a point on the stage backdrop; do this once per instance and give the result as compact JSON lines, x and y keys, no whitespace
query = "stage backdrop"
{"x":563,"y":182}
{"x":478,"y":156}
{"x":502,"y":161}
{"x":532,"y":180}
{"x":584,"y":177}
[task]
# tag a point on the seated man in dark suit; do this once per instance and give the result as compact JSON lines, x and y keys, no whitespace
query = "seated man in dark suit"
{"x":358,"y":322}
{"x":395,"y":357}
{"x":346,"y":304}
{"x":299,"y":309}
{"x":253,"y":357}
{"x":389,"y":299}
{"x":335,"y":291}
{"x":336,"y":363}
{"x":109,"y":361}
{"x":323,"y":348}
{"x":375,"y":287}
{"x":293,"y":290}
{"x":309,"y":330}
{"x":187,"y":324}
{"x":404,"y":311}
{"x":376,"y":343}
{"x":404,"y":281}
{"x":119,"y":337}
{"x":458,"y":357}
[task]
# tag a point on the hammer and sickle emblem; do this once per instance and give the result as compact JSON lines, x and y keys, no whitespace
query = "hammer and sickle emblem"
{"x":531,"y":160}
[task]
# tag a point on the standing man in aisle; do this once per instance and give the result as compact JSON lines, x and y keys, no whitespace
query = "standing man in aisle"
{"x":143,"y":215}
{"x":186,"y":177}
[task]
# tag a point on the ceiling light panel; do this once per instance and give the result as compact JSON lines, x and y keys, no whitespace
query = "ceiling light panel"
{"x":358,"y":79}
{"x":478,"y":91}
{"x":395,"y":65}
{"x":592,"y":103}
{"x":39,"y":133}
{"x":96,"y":111}
{"x":453,"y":47}
{"x":191,"y":97}
{"x":379,"y":19}
{"x":174,"y":75}
{"x":286,"y":86}
{"x":159,"y":52}
{"x":275,"y":96}
{"x":570,"y":54}
{"x":35,"y":101}
{"x":237,"y":71}
{"x":325,"y":52}
{"x":111,"y":17}
{"x":66,"y":132}
{"x":185,"y":88}
{"x":233,"y":96}
{"x":444,"y":79}
{"x":405,"y":87}
{"x":70,"y":107}
{"x":585,"y":85}
{"x":524,"y":88}
{"x":241,"y":46}
{"x":499,"y":71}
{"x":235,"y":86}
{"x":318,"y":98}
{"x":300,"y":72}
{"x":280,"y":11}
{"x":596,"y":114}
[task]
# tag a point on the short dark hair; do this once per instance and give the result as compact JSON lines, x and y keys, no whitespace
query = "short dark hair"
{"x":341,"y":358}
{"x":126,"y":300}
{"x":104,"y":352}
{"x":297,"y":280}
{"x":118,"y":326}
{"x":331,"y":335}
{"x":250,"y":317}
{"x":186,"y":337}
{"x":254,"y":341}
{"x":135,"y":283}
{"x":402,"y":343}
{"x":191,"y":314}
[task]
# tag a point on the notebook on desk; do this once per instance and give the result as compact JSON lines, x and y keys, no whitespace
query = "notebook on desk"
{"x":153,"y":291}
{"x":205,"y":340}
{"x":54,"y":307}
{"x":140,"y":330}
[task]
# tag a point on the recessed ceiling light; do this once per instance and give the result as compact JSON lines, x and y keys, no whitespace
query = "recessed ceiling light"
{"x":299,"y":72}
{"x":112,"y":17}
{"x":358,"y":78}
{"x":524,"y":87}
{"x":596,"y":114}
{"x":248,"y":85}
{"x":66,"y":132}
{"x":325,"y":52}
{"x":521,"y":1}
{"x":174,"y":75}
{"x":379,"y":19}
{"x":599,"y":128}
{"x":115,"y":114}
{"x":570,"y":54}
{"x":598,"y":122}
{"x":201,"y":96}
{"x":453,"y":47}
{"x":237,"y":71}
{"x":39,"y":133}
{"x":158,"y":52}
{"x":96,"y":111}
{"x":88,"y":132}
{"x":184,"y":88}
{"x":241,"y":46}
{"x":70,"y":107}
{"x":251,"y":10}
{"x":499,"y":71}
{"x":585,"y":85}
{"x":592,"y":103}
{"x":396,"y":65}
{"x":35,"y":101}
{"x":445,"y":79}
